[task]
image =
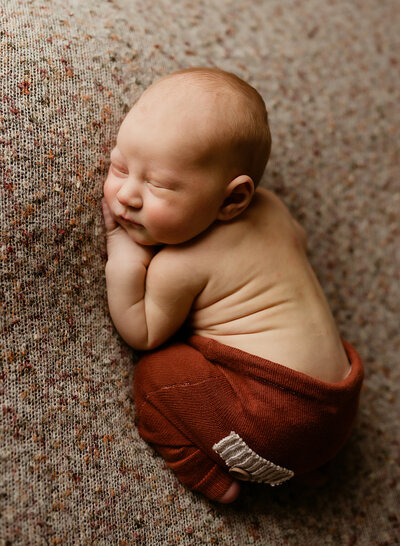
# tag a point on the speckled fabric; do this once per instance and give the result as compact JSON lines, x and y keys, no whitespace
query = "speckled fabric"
{"x":73,"y":468}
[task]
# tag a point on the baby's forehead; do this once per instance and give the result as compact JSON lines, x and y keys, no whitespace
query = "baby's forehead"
{"x":187,"y":109}
{"x":163,"y":137}
{"x":197,"y":118}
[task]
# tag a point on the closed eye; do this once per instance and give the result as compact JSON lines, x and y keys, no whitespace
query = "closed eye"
{"x":117,"y":170}
{"x":157,"y":185}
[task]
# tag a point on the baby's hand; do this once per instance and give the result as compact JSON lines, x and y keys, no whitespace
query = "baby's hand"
{"x":120,"y":247}
{"x":109,"y":221}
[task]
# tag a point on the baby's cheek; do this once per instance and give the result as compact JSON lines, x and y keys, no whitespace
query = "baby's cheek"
{"x":161,"y":213}
{"x":162,"y":223}
{"x":110,"y":187}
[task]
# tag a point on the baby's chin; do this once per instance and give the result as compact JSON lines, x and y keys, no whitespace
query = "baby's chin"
{"x":143,"y":238}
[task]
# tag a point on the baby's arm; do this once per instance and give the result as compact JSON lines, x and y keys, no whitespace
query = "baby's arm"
{"x":149,"y":295}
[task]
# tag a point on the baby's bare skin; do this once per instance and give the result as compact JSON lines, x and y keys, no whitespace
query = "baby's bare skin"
{"x":261,"y":294}
{"x":246,"y":283}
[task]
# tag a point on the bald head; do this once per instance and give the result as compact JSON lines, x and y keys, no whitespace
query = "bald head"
{"x":197,"y":111}
{"x":221,"y":113}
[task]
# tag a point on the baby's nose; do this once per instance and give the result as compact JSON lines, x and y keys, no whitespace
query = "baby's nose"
{"x":129,"y":195}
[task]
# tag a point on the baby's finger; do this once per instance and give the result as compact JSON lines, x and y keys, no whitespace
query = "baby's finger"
{"x":108,"y":217}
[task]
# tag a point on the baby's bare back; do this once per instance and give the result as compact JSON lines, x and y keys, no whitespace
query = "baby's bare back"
{"x":262,"y":295}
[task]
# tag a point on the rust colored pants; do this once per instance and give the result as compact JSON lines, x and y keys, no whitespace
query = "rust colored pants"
{"x":209,"y":409}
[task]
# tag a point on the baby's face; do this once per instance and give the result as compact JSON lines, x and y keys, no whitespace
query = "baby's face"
{"x":164,"y":185}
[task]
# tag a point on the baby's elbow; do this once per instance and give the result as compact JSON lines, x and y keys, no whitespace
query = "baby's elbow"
{"x":136,"y":340}
{"x":145,"y":343}
{"x":148,"y":347}
{"x":152,"y":342}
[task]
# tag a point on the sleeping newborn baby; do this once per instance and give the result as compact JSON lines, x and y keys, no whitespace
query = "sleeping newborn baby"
{"x":243,"y":374}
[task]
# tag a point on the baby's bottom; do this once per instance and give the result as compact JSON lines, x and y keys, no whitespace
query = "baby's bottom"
{"x":215,"y":414}
{"x":170,"y":416}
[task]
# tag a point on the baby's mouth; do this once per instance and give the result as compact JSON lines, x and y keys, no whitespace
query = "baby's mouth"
{"x":130,"y":222}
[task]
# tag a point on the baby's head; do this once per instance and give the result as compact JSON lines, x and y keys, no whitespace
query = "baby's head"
{"x":190,"y":151}
{"x":224,"y":116}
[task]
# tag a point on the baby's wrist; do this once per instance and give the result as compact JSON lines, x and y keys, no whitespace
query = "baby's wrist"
{"x":123,"y":264}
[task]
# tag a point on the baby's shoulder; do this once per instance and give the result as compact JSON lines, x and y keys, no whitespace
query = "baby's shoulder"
{"x":265,"y":214}
{"x":268,"y":201}
{"x":269,"y":209}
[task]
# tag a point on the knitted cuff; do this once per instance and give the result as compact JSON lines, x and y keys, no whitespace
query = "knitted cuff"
{"x":246,"y":465}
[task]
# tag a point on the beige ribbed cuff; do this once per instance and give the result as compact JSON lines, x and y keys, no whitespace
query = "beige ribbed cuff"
{"x":245,"y":464}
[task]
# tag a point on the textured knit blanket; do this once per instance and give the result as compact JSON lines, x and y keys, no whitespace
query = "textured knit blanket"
{"x":73,"y":468}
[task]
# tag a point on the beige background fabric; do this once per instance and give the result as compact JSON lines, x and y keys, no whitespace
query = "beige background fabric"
{"x":73,"y":468}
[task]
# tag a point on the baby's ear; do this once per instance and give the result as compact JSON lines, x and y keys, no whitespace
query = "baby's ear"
{"x":239,"y":193}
